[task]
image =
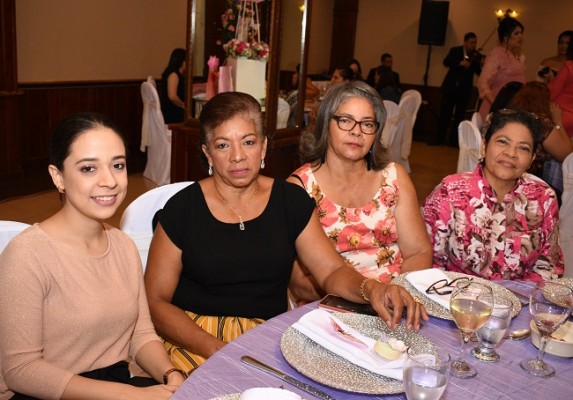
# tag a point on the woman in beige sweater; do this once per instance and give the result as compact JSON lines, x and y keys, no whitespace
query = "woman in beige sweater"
{"x":73,"y":308}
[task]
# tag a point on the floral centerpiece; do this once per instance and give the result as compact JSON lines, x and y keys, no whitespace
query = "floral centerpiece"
{"x":246,"y":53}
{"x":241,"y":31}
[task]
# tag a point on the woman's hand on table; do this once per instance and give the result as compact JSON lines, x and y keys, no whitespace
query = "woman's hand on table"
{"x":389,"y":302}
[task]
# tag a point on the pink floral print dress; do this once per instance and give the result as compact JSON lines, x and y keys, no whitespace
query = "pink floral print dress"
{"x":366,"y":237}
{"x":472,"y":232}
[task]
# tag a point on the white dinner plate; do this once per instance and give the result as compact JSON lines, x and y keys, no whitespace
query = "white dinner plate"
{"x":436,"y":310}
{"x":314,"y":361}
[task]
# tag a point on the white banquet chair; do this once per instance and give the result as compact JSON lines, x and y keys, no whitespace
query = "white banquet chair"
{"x":566,"y":216}
{"x":477,"y":121}
{"x":392,"y":120}
{"x":402,"y":142}
{"x":283,"y":112}
{"x":136,"y":220}
{"x":155,"y":136}
{"x":469,"y":139}
{"x":9,"y":229}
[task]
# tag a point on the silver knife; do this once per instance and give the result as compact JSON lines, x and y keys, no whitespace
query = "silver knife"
{"x":287,"y":378}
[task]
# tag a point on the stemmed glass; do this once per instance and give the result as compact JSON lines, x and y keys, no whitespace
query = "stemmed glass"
{"x":425,"y":375}
{"x":471,"y":305}
{"x":550,"y":305}
{"x":493,"y":331}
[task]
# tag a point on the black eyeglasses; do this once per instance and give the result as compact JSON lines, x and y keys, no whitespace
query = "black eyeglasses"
{"x":443,"y":287}
{"x":348,"y":123}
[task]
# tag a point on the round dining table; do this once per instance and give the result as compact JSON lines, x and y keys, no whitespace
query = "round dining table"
{"x":225,"y":374}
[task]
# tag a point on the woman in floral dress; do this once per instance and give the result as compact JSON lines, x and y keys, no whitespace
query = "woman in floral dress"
{"x":498,"y":222}
{"x":367,"y":205}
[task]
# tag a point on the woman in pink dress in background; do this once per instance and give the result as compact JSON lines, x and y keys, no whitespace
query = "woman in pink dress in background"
{"x":503,"y":64}
{"x":562,"y":91}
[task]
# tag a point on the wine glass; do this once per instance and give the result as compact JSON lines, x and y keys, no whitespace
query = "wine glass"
{"x":425,"y":375}
{"x":550,"y":305}
{"x":471,"y":305}
{"x":493,"y":331}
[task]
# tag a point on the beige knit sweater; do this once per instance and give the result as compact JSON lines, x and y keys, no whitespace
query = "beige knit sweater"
{"x":62,"y":313}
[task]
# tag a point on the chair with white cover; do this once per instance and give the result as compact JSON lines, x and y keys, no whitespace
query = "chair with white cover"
{"x":136,"y":220}
{"x":410,"y":92}
{"x":392,"y":120}
{"x":283,"y":112}
{"x":470,"y":140}
{"x":155,"y":136}
{"x":477,"y":121}
{"x":402,"y":142}
{"x":9,"y":229}
{"x":566,"y":216}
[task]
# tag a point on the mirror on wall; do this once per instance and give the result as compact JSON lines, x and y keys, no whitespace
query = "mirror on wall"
{"x":284,"y":26}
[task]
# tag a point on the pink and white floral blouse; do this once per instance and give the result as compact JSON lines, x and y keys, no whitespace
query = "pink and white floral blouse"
{"x":472,"y":232}
{"x":366,"y":237}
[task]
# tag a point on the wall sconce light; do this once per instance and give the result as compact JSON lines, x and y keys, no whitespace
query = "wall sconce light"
{"x":500,"y":14}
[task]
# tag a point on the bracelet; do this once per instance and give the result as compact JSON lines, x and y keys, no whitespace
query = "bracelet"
{"x":169,"y":371}
{"x":362,"y":284}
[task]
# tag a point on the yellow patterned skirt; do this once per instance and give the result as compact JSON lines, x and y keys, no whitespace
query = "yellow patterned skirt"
{"x":224,"y":328}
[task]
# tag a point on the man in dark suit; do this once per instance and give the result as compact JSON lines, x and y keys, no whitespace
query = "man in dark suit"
{"x":386,"y":60}
{"x":463,"y":62}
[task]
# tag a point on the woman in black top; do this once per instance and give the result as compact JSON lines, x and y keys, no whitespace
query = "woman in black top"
{"x":222,"y":254}
{"x":172,"y":96}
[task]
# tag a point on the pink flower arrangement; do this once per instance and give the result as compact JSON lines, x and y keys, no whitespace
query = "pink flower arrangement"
{"x":247,"y":44}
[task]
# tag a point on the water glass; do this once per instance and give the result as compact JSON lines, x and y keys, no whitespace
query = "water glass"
{"x":550,"y":304}
{"x":426,"y":375}
{"x":490,"y":335}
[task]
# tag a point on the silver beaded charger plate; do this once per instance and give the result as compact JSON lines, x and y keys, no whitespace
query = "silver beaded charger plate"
{"x":314,"y":361}
{"x":565,"y":281}
{"x":436,"y":310}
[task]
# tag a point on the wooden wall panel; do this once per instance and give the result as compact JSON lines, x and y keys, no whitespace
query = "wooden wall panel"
{"x":39,"y":108}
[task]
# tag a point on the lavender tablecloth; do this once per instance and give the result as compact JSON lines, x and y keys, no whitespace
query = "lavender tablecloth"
{"x":224,"y":373}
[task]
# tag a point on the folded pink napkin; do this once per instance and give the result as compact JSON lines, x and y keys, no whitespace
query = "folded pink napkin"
{"x":422,"y":280}
{"x":334,"y":335}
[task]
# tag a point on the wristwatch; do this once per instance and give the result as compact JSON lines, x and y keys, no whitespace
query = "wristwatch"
{"x":169,"y":371}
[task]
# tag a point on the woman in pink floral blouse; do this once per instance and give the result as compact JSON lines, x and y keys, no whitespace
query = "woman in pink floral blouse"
{"x":498,"y":222}
{"x":367,"y":205}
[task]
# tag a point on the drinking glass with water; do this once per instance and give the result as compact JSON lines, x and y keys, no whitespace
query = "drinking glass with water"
{"x":493,"y":331}
{"x":426,"y":375}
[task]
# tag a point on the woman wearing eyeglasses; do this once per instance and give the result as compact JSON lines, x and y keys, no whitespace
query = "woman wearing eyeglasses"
{"x":498,"y":222}
{"x":366,"y":205}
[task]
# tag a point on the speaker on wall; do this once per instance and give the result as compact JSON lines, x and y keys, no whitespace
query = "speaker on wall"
{"x":433,"y":22}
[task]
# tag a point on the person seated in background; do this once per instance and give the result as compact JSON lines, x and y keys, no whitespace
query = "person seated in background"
{"x":342,"y":74}
{"x":555,"y":144}
{"x":367,"y":206}
{"x":385,"y":85}
{"x":172,"y":91}
{"x":354,"y":65}
{"x":498,"y":222}
{"x":505,"y":96}
{"x":386,"y":60}
{"x":223,"y":250}
{"x":311,"y":94}
{"x":562,"y":91}
{"x":550,"y":66}
{"x":73,"y":309}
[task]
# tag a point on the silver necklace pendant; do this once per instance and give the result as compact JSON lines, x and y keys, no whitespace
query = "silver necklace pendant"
{"x":241,"y":224}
